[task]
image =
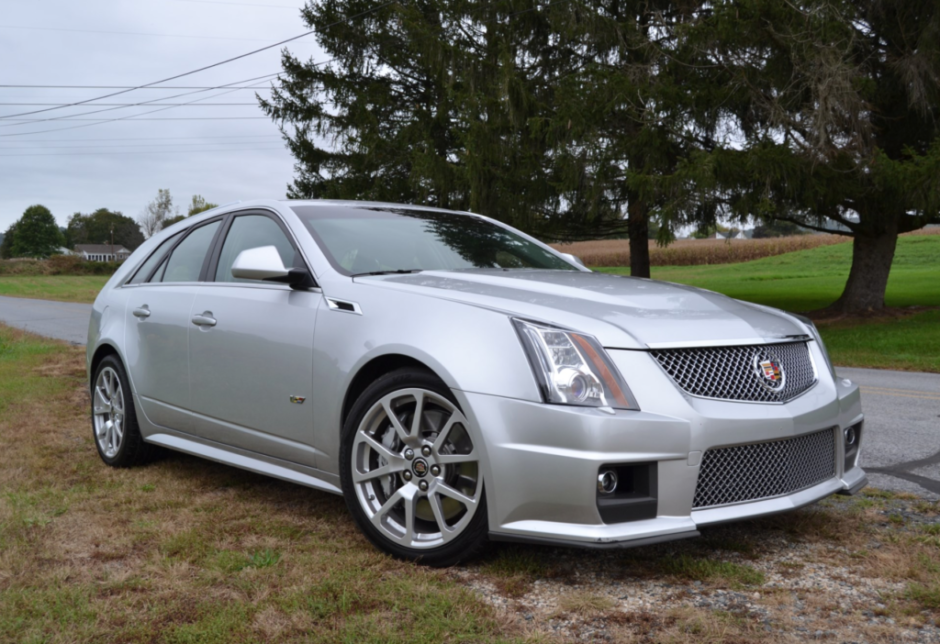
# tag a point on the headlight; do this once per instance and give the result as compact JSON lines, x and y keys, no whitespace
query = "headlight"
{"x":573,"y":368}
{"x":822,"y":347}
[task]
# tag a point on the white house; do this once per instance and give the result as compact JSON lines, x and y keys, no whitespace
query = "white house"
{"x":102,"y":252}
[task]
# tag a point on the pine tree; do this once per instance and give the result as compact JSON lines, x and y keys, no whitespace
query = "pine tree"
{"x":436,"y":102}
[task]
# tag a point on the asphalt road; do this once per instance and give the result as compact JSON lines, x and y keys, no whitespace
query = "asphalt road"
{"x":900,"y":448}
{"x":61,"y":320}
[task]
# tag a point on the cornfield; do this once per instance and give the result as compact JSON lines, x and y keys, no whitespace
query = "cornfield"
{"x":694,"y":252}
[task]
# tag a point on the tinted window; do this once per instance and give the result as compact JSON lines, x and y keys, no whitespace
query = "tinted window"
{"x":365,"y":240}
{"x":147,"y":267}
{"x":185,"y":263}
{"x":253,"y":231}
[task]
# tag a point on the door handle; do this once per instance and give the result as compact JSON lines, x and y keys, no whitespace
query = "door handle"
{"x":204,"y":319}
{"x":142,"y":312}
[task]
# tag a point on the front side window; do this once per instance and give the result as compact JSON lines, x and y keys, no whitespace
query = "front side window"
{"x":253,"y":231}
{"x":365,"y":240}
{"x":185,"y":263}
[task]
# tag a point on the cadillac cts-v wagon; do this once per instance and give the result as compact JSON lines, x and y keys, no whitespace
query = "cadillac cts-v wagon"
{"x":458,"y":381}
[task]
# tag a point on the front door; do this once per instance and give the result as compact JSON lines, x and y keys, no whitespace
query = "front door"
{"x":251,"y":352}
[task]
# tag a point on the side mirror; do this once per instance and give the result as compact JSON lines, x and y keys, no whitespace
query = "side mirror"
{"x":264,"y":263}
{"x":573,"y":258}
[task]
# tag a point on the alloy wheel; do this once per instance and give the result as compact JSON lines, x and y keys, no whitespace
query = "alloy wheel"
{"x":108,"y":412}
{"x":415,"y":469}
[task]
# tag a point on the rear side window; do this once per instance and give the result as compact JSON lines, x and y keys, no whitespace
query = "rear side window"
{"x":253,"y":231}
{"x":147,"y":267}
{"x":185,"y":264}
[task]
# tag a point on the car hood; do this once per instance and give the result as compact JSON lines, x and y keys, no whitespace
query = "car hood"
{"x":622,"y":312}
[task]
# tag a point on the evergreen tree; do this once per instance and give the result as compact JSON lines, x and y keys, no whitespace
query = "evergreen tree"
{"x":623,"y":114}
{"x":436,"y":102}
{"x":35,"y":234}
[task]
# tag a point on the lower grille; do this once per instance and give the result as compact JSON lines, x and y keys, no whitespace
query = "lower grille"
{"x":764,"y":470}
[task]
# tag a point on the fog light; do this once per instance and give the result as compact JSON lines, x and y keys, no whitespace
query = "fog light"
{"x":850,"y":436}
{"x":606,"y":481}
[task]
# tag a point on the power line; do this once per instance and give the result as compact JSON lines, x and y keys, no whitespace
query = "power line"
{"x":129,"y":145}
{"x":132,"y":118}
{"x":111,"y":109}
{"x":76,"y":154}
{"x":153,"y":138}
{"x":162,"y":87}
{"x":241,"y":4}
{"x":206,"y":67}
{"x":136,"y":104}
{"x":123,"y":118}
{"x":135,"y":33}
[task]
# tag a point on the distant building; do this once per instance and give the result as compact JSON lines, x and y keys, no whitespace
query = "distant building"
{"x":102,"y":252}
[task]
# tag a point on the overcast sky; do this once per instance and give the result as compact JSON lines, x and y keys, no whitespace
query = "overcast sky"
{"x":120,"y":165}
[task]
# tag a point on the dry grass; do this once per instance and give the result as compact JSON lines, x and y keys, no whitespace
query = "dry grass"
{"x":697,"y":252}
{"x":184,"y":550}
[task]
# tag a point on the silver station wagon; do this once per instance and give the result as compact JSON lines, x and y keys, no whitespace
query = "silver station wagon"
{"x":457,"y":381}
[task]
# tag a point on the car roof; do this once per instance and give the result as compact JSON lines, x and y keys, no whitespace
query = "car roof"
{"x":351,"y":203}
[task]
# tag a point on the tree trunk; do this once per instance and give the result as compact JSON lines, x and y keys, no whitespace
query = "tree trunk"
{"x":638,"y":229}
{"x":871,"y":263}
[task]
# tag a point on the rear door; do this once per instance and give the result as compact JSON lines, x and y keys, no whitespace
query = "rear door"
{"x":159,"y":303}
{"x":251,"y":360}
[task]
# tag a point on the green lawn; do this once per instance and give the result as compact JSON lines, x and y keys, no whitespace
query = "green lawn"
{"x":812,"y":279}
{"x":65,"y":288}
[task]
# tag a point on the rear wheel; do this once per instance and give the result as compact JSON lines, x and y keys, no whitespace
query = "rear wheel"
{"x":410,"y":471}
{"x":114,"y":419}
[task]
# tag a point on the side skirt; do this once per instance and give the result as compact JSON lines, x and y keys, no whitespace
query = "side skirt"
{"x":242,"y":460}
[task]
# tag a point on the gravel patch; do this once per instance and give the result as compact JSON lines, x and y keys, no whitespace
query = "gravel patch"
{"x":782,"y":579}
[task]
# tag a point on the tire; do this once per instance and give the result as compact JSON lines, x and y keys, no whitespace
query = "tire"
{"x":403,"y":481}
{"x":114,"y":418}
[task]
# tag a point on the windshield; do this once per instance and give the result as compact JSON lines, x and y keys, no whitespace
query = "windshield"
{"x":366,"y":240}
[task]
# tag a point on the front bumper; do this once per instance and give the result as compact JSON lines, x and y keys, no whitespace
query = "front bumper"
{"x":541,"y":462}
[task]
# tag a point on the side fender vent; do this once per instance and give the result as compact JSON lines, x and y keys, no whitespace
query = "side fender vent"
{"x":343,"y":306}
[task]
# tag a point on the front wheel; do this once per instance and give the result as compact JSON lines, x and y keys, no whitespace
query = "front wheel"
{"x":411,"y":473}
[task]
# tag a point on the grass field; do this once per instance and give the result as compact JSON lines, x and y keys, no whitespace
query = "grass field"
{"x":189,"y":551}
{"x":812,"y":279}
{"x":65,"y":288}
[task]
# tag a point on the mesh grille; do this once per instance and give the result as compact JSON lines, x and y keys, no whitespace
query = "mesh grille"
{"x":763,"y":470}
{"x":734,"y":373}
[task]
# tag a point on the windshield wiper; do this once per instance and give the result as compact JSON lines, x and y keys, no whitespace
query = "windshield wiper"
{"x":400,"y":271}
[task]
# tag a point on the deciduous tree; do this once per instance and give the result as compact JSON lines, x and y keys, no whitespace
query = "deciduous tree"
{"x":35,"y":234}
{"x":157,"y":212}
{"x":836,"y":109}
{"x":101,"y":227}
